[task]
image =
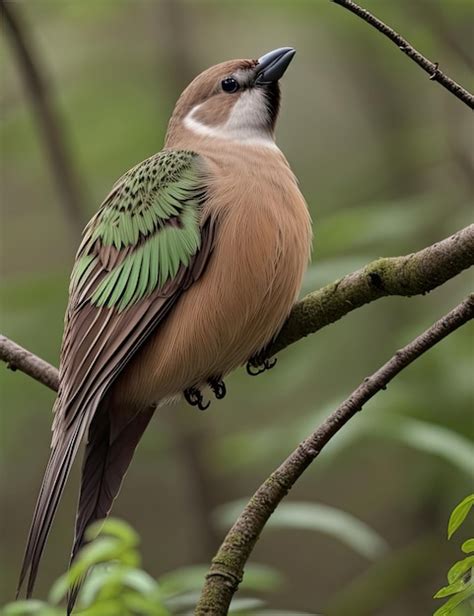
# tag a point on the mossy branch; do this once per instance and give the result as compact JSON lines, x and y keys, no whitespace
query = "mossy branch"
{"x":413,"y":274}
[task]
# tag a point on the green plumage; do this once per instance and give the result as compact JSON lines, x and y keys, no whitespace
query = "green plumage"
{"x":150,"y":226}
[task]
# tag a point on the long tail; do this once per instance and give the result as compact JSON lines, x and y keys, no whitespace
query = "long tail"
{"x":57,"y":471}
{"x":106,"y":461}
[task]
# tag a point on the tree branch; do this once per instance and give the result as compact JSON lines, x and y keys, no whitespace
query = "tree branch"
{"x":68,"y":184}
{"x":414,"y":274}
{"x":227,"y":567}
{"x":430,"y":67}
{"x":18,"y":358}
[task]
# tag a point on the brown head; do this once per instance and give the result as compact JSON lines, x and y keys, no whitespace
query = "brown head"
{"x":237,"y":100}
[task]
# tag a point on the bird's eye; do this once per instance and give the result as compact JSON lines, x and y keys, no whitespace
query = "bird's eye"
{"x":230,"y":85}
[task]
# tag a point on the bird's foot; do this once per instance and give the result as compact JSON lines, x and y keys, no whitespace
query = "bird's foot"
{"x":218,"y":387}
{"x":194,"y":397}
{"x":256,"y":366}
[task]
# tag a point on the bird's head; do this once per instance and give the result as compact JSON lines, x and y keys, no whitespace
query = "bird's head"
{"x":237,"y":100}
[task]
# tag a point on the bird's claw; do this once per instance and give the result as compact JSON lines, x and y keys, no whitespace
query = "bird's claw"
{"x":218,"y":387}
{"x":194,"y":397}
{"x":256,"y":367}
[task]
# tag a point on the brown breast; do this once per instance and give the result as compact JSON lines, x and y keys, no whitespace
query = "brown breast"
{"x":249,"y":286}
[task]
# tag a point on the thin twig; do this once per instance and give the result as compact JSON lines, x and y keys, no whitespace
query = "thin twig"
{"x":432,"y":68}
{"x":414,"y":274}
{"x":18,"y":358}
{"x":227,"y":567}
{"x":68,"y":184}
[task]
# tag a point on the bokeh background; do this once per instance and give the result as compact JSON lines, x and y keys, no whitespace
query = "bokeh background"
{"x":384,"y":157}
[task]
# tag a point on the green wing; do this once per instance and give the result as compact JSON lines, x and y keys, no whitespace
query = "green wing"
{"x":147,"y":243}
{"x":145,"y":231}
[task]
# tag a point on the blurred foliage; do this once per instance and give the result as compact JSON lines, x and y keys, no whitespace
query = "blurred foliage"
{"x":460,"y":589}
{"x":384,"y":157}
{"x":114,"y":584}
{"x":311,"y":516}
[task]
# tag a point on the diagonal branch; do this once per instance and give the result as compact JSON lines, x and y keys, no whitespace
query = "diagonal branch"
{"x":227,"y":567}
{"x":430,"y":67}
{"x":414,"y":274}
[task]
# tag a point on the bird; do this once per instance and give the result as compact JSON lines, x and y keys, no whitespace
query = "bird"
{"x":188,"y":270}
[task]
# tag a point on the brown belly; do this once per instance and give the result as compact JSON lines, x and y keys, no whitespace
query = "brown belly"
{"x":236,"y":307}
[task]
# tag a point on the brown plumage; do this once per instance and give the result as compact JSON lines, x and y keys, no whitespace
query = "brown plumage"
{"x":260,"y":254}
{"x":224,"y":304}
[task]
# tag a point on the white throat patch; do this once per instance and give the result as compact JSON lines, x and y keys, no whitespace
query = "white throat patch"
{"x":246,"y":123}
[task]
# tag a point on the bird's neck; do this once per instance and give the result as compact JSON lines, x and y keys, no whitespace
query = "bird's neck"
{"x":195,"y":135}
{"x":241,"y":126}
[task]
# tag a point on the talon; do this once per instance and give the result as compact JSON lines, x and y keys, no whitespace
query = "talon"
{"x":190,"y":396}
{"x":269,"y":363}
{"x":253,"y":370}
{"x":255,"y":367}
{"x":203,"y":407}
{"x":218,"y":387}
{"x":194,"y":397}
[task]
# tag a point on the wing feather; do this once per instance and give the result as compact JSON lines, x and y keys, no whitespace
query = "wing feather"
{"x":145,"y":246}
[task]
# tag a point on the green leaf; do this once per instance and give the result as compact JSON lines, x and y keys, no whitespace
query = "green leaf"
{"x":452,"y":589}
{"x":101,"y":550}
{"x":460,"y":568}
{"x":459,"y":514}
{"x":93,"y":584}
{"x":59,"y":589}
{"x":455,"y":601}
{"x":115,"y":528}
{"x":107,"y":607}
{"x":322,"y":518}
{"x":139,"y":580}
{"x":117,"y":577}
{"x":468,"y":546}
{"x":32,"y":607}
{"x":143,"y":605}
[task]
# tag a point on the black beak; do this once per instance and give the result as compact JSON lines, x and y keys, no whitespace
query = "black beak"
{"x":272,"y":66}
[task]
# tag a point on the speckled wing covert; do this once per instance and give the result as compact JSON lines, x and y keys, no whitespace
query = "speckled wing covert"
{"x":143,"y":248}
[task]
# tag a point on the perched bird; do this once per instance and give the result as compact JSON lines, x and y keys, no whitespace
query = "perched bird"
{"x":188,"y":269}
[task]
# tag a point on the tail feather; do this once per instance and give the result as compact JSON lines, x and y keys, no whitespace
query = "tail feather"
{"x":106,"y":460}
{"x":57,"y":471}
